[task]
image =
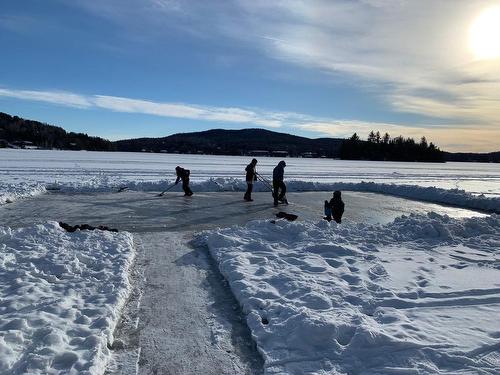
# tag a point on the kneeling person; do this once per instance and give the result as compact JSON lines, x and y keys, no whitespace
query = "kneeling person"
{"x":335,"y":208}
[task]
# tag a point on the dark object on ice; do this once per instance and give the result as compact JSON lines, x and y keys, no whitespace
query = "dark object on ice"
{"x":123,"y":188}
{"x":71,"y":228}
{"x":265,"y":321}
{"x":251,"y":177}
{"x":279,"y":187}
{"x":183,"y":174}
{"x":287,"y":216}
{"x":334,"y":208}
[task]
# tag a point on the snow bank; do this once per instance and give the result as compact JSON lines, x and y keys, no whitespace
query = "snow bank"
{"x":419,"y":295}
{"x":455,"y":197}
{"x":12,"y":192}
{"x":60,"y":298}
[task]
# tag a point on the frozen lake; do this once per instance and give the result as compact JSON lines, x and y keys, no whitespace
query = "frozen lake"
{"x":100,"y":168}
{"x":405,"y":272}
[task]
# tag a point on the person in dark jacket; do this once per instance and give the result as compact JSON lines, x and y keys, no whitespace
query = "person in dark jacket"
{"x":183,"y":174}
{"x":335,"y":208}
{"x":251,"y":177}
{"x":279,"y":187}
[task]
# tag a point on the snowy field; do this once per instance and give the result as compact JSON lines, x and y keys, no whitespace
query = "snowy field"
{"x":30,"y":172}
{"x":61,"y":295}
{"x":418,"y":296}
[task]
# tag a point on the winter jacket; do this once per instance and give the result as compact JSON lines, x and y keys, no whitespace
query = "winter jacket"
{"x":279,"y":171}
{"x":182,"y":174}
{"x":251,"y":174}
{"x":337,"y":206}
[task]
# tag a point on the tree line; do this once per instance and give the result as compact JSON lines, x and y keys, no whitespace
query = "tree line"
{"x":15,"y":129}
{"x":384,"y":147}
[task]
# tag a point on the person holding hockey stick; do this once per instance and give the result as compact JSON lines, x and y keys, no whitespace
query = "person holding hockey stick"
{"x":251,"y":177}
{"x":183,"y":174}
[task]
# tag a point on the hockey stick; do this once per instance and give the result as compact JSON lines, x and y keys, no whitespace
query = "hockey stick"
{"x":167,"y":189}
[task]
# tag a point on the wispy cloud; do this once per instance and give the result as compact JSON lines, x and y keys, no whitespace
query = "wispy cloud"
{"x":129,"y":105}
{"x":468,"y":137}
{"x":397,"y":49}
{"x":412,"y":54}
{"x":54,"y":97}
{"x":477,"y":138}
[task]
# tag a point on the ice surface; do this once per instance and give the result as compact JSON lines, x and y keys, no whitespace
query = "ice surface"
{"x":418,"y":295}
{"x":30,"y":172}
{"x":49,"y":166}
{"x":320,"y":298}
{"x":60,"y":298}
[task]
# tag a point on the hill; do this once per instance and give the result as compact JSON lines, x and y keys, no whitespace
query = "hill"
{"x":236,"y":142}
{"x":18,"y":132}
{"x":490,"y":157}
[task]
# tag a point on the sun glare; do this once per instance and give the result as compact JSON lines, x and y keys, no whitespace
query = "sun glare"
{"x":484,"y":34}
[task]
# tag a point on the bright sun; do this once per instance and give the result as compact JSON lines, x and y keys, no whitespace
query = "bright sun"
{"x":484,"y":34}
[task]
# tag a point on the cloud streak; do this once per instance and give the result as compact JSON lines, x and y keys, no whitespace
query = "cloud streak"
{"x":477,"y":138}
{"x":128,"y":105}
{"x":412,"y":54}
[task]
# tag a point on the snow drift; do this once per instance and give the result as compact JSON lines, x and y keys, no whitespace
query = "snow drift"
{"x":60,"y":298}
{"x":13,"y":192}
{"x":455,"y":197}
{"x":419,"y":295}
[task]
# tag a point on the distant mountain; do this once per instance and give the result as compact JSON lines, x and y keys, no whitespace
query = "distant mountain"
{"x":22,"y":133}
{"x":236,"y":142}
{"x":491,"y":157}
{"x":18,"y":132}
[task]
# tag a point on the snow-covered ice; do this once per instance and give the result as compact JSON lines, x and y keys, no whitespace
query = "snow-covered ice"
{"x":319,"y":297}
{"x":12,"y":192}
{"x":419,"y":295}
{"x":26,"y":173}
{"x":60,"y":298}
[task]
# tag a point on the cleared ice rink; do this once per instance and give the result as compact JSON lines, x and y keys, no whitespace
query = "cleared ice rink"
{"x":182,"y":317}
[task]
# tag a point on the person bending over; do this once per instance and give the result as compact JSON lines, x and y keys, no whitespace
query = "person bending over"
{"x":279,"y":187}
{"x":335,"y":208}
{"x":183,"y":174}
{"x":251,"y":177}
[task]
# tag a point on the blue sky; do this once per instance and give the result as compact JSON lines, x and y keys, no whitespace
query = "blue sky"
{"x":131,"y":68}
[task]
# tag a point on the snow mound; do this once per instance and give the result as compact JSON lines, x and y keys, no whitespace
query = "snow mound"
{"x":455,"y":197}
{"x":60,"y":298}
{"x":419,"y":295}
{"x":12,"y":192}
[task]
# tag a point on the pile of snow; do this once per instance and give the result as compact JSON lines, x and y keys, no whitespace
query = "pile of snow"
{"x":455,"y":197}
{"x":419,"y":295}
{"x":60,"y":298}
{"x":86,"y":171}
{"x":12,"y":192}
